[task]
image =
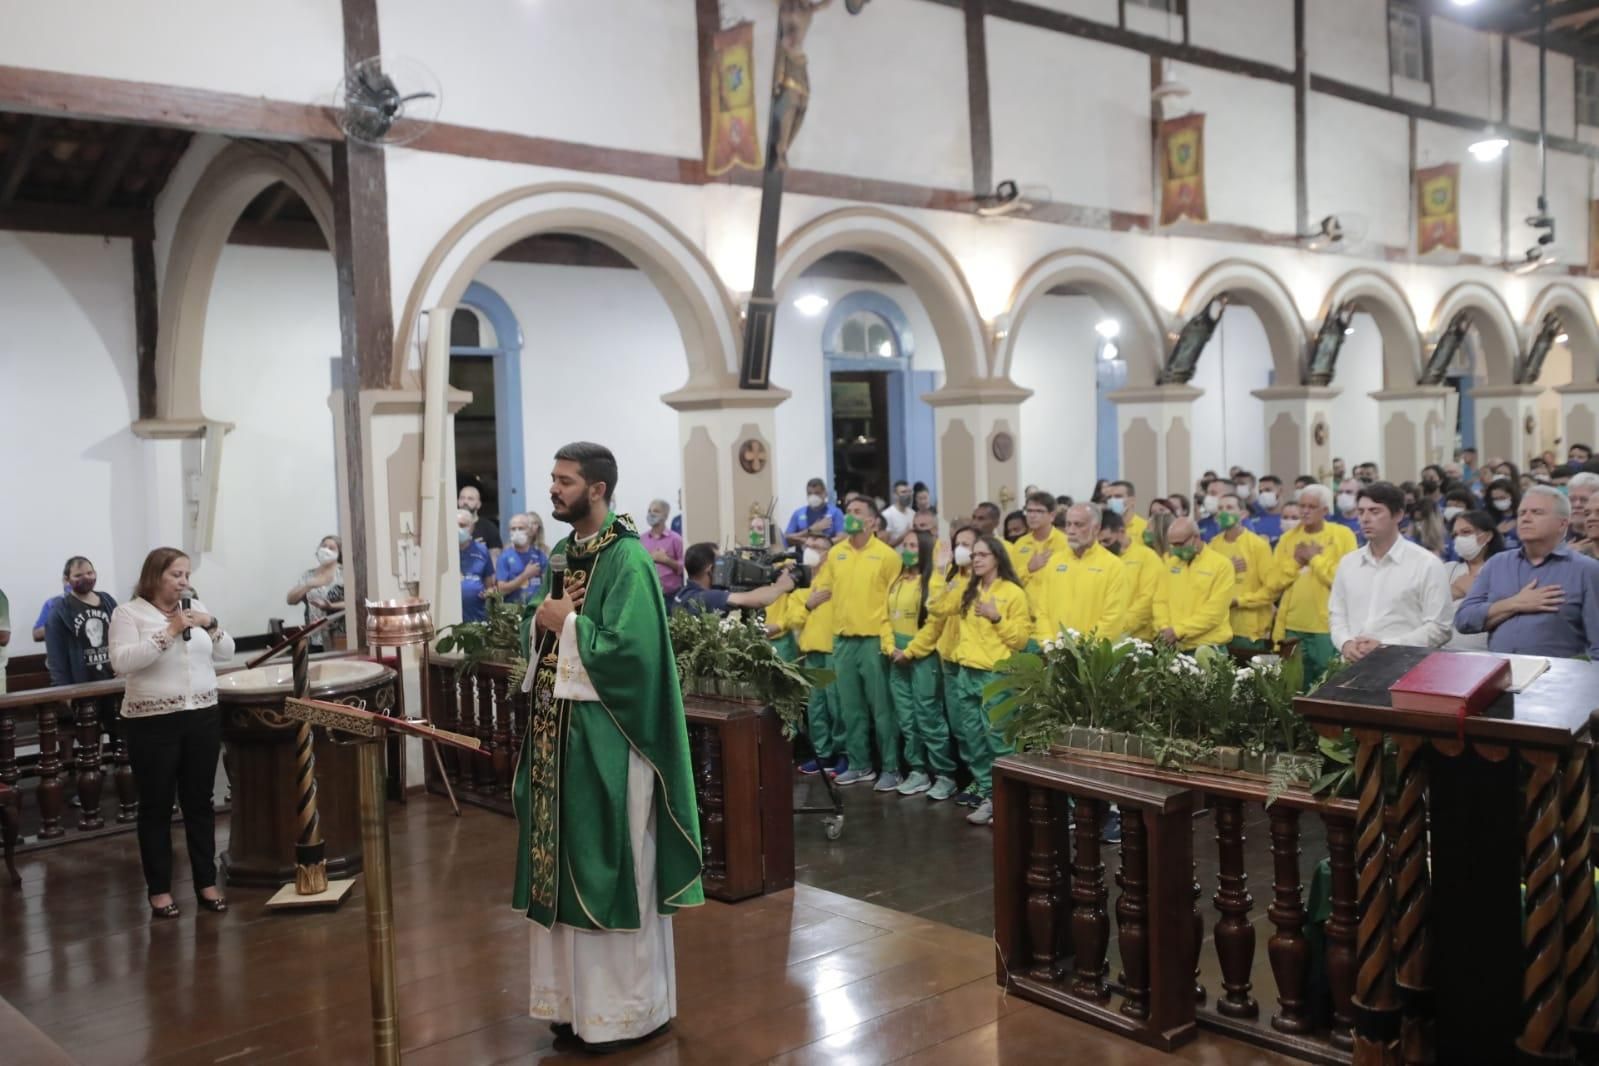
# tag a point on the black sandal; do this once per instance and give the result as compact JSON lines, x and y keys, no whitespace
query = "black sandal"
{"x":215,"y":906}
{"x":169,"y":911}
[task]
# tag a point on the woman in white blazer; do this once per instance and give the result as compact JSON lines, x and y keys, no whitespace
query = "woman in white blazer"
{"x":164,"y":645}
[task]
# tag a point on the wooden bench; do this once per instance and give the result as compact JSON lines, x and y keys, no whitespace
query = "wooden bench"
{"x":10,"y":827}
{"x":25,"y":1044}
{"x":1053,"y":936}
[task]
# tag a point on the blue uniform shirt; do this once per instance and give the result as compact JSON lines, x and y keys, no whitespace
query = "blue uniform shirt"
{"x":692,"y":597}
{"x":1264,"y":524}
{"x":802,"y":518}
{"x":476,"y":569}
{"x":510,"y":567}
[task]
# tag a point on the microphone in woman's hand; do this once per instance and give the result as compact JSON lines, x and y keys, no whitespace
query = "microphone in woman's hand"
{"x":184,"y":605}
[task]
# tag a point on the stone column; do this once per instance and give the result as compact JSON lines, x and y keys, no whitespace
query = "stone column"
{"x":1299,"y":429}
{"x":1155,"y":427}
{"x":728,"y":440}
{"x":1413,"y":425}
{"x":1507,"y":422}
{"x":1579,"y":413}
{"x":976,"y":427}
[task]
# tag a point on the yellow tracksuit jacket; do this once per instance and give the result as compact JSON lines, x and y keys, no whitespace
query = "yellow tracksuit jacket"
{"x":1022,"y":552}
{"x":1308,"y":587}
{"x":1195,"y":599}
{"x":984,"y":644}
{"x":1085,"y":592}
{"x":905,"y":601}
{"x":1253,"y":593}
{"x":942,"y":631}
{"x":1144,"y":573}
{"x":859,"y":579}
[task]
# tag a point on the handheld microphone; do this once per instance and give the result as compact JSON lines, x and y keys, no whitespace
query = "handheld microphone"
{"x":184,"y":605}
{"x":557,"y":575}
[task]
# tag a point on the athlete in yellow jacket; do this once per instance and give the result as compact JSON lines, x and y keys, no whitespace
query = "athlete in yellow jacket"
{"x":939,"y":637}
{"x":1194,"y":601}
{"x":1041,"y":543}
{"x":1144,"y":570}
{"x":1304,"y":565}
{"x":813,"y":630}
{"x":1083,"y":588}
{"x":1252,"y":561}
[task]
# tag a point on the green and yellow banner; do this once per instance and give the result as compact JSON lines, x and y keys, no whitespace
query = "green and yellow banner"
{"x":1182,"y":169}
{"x":734,"y":141}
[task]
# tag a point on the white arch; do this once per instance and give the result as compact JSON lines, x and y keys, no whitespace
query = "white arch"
{"x":1495,"y":325}
{"x":1143,"y":335}
{"x":1576,"y":315}
{"x":234,"y":178}
{"x":1264,"y":293}
{"x":915,"y":255}
{"x":1380,"y":297}
{"x":681,"y":272}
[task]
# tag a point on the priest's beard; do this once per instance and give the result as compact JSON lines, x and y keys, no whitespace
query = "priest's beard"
{"x":571,"y":513}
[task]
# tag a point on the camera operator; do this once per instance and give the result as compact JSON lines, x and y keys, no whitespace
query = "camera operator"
{"x":697,"y":594}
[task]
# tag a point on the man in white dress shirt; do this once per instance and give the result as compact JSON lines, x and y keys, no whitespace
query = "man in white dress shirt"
{"x":1392,"y":591}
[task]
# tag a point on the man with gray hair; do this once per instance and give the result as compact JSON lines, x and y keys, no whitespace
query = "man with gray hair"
{"x":1085,"y":588}
{"x":1580,"y":490}
{"x":1541,"y":598}
{"x":1303,"y":568}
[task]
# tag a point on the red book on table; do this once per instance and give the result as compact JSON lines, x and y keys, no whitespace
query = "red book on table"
{"x":1454,"y":683}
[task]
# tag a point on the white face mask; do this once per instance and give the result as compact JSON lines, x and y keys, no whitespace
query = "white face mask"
{"x":1452,"y":513}
{"x":814,"y":502}
{"x":1268,"y":499}
{"x":963,"y":555}
{"x":519,"y":538}
{"x":326,"y":555}
{"x":1501,"y":504}
{"x":812,"y":557}
{"x":463,"y":534}
{"x":1209,"y":504}
{"x":1244,"y":491}
{"x":1346,"y":502}
{"x":1468,"y":547}
{"x":1117,"y":504}
{"x":1290,"y":523}
{"x":657,"y":519}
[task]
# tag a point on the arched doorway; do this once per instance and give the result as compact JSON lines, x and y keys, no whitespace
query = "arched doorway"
{"x":486,"y":361}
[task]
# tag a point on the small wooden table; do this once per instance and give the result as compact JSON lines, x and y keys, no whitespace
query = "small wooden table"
{"x":1446,"y":970}
{"x":744,"y":782}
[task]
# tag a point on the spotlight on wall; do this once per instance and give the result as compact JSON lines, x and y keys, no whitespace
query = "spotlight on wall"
{"x":1491,"y":147}
{"x":811,"y":304}
{"x":1108,"y":328}
{"x":1349,"y":331}
{"x":1562,"y":338}
{"x":1464,"y":3}
{"x":1108,"y":351}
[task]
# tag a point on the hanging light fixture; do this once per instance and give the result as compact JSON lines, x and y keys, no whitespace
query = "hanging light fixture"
{"x":1491,"y":147}
{"x":1170,"y":88}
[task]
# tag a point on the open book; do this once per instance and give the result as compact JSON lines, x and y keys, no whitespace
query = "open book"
{"x":1525,"y":669}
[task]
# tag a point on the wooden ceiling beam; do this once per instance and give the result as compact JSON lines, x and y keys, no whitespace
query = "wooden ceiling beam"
{"x":280,"y":197}
{"x":19,"y":159}
{"x":72,"y":219}
{"x":1560,"y":15}
{"x":115,"y":165}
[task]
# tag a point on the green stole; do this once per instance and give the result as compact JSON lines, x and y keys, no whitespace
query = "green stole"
{"x":574,"y":859}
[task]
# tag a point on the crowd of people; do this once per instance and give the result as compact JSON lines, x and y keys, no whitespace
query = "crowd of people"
{"x":913,"y":614}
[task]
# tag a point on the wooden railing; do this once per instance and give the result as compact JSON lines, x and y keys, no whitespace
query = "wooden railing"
{"x":1035,"y":873}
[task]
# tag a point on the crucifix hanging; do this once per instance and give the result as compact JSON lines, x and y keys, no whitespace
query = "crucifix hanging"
{"x":791,"y":94}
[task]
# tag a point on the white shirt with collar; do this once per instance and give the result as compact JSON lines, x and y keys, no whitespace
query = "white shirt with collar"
{"x":897,"y":521}
{"x":1402,"y":598}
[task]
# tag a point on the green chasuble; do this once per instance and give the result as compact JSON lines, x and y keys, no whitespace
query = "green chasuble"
{"x":574,"y":862}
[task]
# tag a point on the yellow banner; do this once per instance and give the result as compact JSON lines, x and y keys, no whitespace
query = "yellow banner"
{"x":733,"y":140}
{"x":1438,"y":208}
{"x":1182,"y":166}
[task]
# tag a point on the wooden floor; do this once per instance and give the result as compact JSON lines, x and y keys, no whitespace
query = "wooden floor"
{"x":807,"y":975}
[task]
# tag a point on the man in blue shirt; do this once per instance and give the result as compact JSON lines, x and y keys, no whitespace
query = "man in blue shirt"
{"x":1344,"y":507}
{"x":698,"y":596}
{"x":477,"y":570}
{"x":1268,"y":507}
{"x":45,"y":612}
{"x":519,"y":571}
{"x":818,"y":515}
{"x":1541,"y":598}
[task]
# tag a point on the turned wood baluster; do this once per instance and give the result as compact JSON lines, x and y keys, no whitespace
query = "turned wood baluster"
{"x":1288,"y":949}
{"x":713,"y":822}
{"x":1342,"y":923}
{"x":1199,"y":934}
{"x":1045,"y":884}
{"x":86,"y":722}
{"x":51,"y":800}
{"x":483,"y":775}
{"x":455,"y":721}
{"x":500,"y":694}
{"x":9,"y":774}
{"x":1132,"y":915}
{"x":1376,"y":1029}
{"x":1576,"y":875}
{"x":1090,"y":922}
{"x":122,"y":774}
{"x":1412,"y":899}
{"x":1543,"y":990}
{"x":1235,"y":936}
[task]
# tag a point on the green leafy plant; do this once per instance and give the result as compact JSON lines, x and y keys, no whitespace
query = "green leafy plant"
{"x":497,"y":639}
{"x":1338,"y":762}
{"x":732,"y":657}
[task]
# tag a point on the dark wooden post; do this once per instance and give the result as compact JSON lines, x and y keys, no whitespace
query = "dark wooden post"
{"x":1412,"y":900}
{"x":1342,"y":923}
{"x":1132,"y":915}
{"x":484,"y":777}
{"x":1576,"y":879}
{"x":1376,"y":1021}
{"x":86,"y":723}
{"x":1288,"y":948}
{"x":713,"y":818}
{"x":1235,"y":936}
{"x":1199,"y":934}
{"x":504,"y":753}
{"x":1090,"y":923}
{"x":51,"y":800}
{"x":1543,"y":1033}
{"x":1044,"y":884}
{"x":9,"y":774}
{"x":122,"y":774}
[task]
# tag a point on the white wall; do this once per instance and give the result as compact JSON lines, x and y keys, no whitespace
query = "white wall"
{"x":1348,"y":40}
{"x":73,"y":479}
{"x":1249,"y":148}
{"x":1355,"y":434}
{"x":600,"y":349}
{"x":1055,"y":351}
{"x":271,"y":336}
{"x":1229,"y":426}
{"x":1359,"y":161}
{"x":1263,"y":32}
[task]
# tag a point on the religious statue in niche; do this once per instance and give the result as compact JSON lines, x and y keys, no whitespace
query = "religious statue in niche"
{"x":791,"y":81}
{"x":1324,"y":353}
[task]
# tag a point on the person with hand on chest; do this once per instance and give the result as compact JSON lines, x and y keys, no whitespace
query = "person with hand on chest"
{"x":1144,"y":569}
{"x":1083,"y":589}
{"x":914,"y":683}
{"x":1250,"y":556}
{"x":1031,"y":553}
{"x":1194,"y":601}
{"x":519,"y":571}
{"x":1303,"y":567}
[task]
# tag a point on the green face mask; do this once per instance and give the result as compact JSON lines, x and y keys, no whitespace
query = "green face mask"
{"x":1226,"y":520}
{"x":1186,"y":552}
{"x":1149,"y":539}
{"x":852,"y":524}
{"x":910,"y":559}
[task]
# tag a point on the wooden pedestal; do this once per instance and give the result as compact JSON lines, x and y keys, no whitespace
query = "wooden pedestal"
{"x":744,"y":782}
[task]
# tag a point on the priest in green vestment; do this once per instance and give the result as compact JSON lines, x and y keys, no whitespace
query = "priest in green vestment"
{"x":608,"y":845}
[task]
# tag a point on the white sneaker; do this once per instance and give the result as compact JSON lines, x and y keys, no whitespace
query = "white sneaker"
{"x":983,"y":815}
{"x":915,"y":784}
{"x":887,"y":781}
{"x":855,"y":777}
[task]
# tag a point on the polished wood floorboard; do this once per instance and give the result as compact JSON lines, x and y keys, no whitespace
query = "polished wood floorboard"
{"x":809,"y":975}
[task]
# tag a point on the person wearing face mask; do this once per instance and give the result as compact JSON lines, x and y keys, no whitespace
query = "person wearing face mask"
{"x":1083,"y":588}
{"x":484,"y":531}
{"x":1344,"y":506}
{"x":818,"y":515}
{"x":813,"y":637}
{"x":994,"y":625}
{"x":1194,"y":598}
{"x":321,"y":590}
{"x":898,"y":515}
{"x":477,"y":570}
{"x":1303,"y":567}
{"x":1015,"y":527}
{"x":858,"y":574}
{"x":1476,"y":539}
{"x":1267,"y":521}
{"x":1210,"y":505}
{"x":519,"y":571}
{"x":936,"y":641}
{"x":1122,"y":498}
{"x":1032,"y":552}
{"x":914,"y":683}
{"x":1244,"y":489}
{"x":76,"y":634}
{"x":1504,"y":503}
{"x":1143,"y":571}
{"x":1250,"y":557}
{"x":665,"y":548}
